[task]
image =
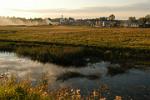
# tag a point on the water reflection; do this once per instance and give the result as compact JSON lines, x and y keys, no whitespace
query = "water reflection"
{"x":24,"y":66}
{"x":78,"y":67}
{"x":67,"y":56}
{"x":69,"y":75}
{"x":58,"y":76}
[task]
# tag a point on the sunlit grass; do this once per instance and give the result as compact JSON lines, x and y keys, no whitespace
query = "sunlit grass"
{"x":11,"y":89}
{"x":115,"y":44}
{"x":86,"y":36}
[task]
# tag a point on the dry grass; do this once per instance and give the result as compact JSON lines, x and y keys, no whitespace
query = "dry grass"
{"x":109,"y":37}
{"x":10,"y":89}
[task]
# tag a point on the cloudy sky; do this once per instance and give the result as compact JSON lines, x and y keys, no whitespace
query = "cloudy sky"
{"x":74,"y":8}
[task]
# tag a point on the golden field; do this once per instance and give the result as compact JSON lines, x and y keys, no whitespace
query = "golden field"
{"x":75,"y":35}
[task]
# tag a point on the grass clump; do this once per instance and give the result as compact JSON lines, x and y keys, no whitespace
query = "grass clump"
{"x":11,"y":89}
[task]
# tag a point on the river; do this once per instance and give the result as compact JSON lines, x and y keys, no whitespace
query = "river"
{"x":129,"y":83}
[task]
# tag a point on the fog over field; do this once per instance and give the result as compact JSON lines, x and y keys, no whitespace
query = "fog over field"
{"x":20,"y":21}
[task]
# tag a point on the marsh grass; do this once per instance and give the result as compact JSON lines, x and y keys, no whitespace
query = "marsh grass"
{"x":78,"y":56}
{"x":108,"y":44}
{"x":117,"y":45}
{"x":11,"y":89}
{"x":81,"y":36}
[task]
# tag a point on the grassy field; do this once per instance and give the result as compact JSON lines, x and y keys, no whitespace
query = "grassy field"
{"x":75,"y":35}
{"x":124,"y":44}
{"x":10,"y":89}
{"x":114,"y":44}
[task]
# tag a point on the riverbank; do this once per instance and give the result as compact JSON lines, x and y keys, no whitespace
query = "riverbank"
{"x":73,"y":55}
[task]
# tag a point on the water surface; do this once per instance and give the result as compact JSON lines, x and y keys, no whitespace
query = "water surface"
{"x":129,"y":82}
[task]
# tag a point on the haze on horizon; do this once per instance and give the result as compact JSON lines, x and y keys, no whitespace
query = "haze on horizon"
{"x":74,"y":8}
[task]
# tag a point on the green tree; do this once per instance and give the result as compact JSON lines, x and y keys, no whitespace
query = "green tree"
{"x":111,"y":17}
{"x":132,"y":19}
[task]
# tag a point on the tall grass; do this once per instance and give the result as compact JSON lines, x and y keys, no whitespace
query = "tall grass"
{"x":11,"y":89}
{"x":77,"y":56}
{"x":85,"y":36}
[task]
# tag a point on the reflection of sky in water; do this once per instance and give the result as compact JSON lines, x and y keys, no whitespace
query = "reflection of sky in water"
{"x":134,"y":82}
{"x":9,"y":62}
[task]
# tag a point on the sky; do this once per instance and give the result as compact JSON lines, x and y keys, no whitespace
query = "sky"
{"x":122,"y":9}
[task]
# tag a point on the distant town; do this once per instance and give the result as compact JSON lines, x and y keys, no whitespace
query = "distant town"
{"x":110,"y":21}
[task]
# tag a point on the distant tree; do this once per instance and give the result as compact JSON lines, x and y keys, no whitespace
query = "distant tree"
{"x":132,"y":19}
{"x":111,"y":17}
{"x":147,"y":18}
{"x":38,"y":19}
{"x":142,"y":20}
{"x":70,"y":18}
{"x":103,"y":18}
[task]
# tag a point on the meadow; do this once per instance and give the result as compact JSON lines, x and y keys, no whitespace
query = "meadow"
{"x":78,"y":36}
{"x":71,"y":46}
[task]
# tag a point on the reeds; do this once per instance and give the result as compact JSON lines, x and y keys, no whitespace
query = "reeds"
{"x":11,"y":89}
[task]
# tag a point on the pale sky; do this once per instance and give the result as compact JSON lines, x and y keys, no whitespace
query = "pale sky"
{"x":74,"y":8}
